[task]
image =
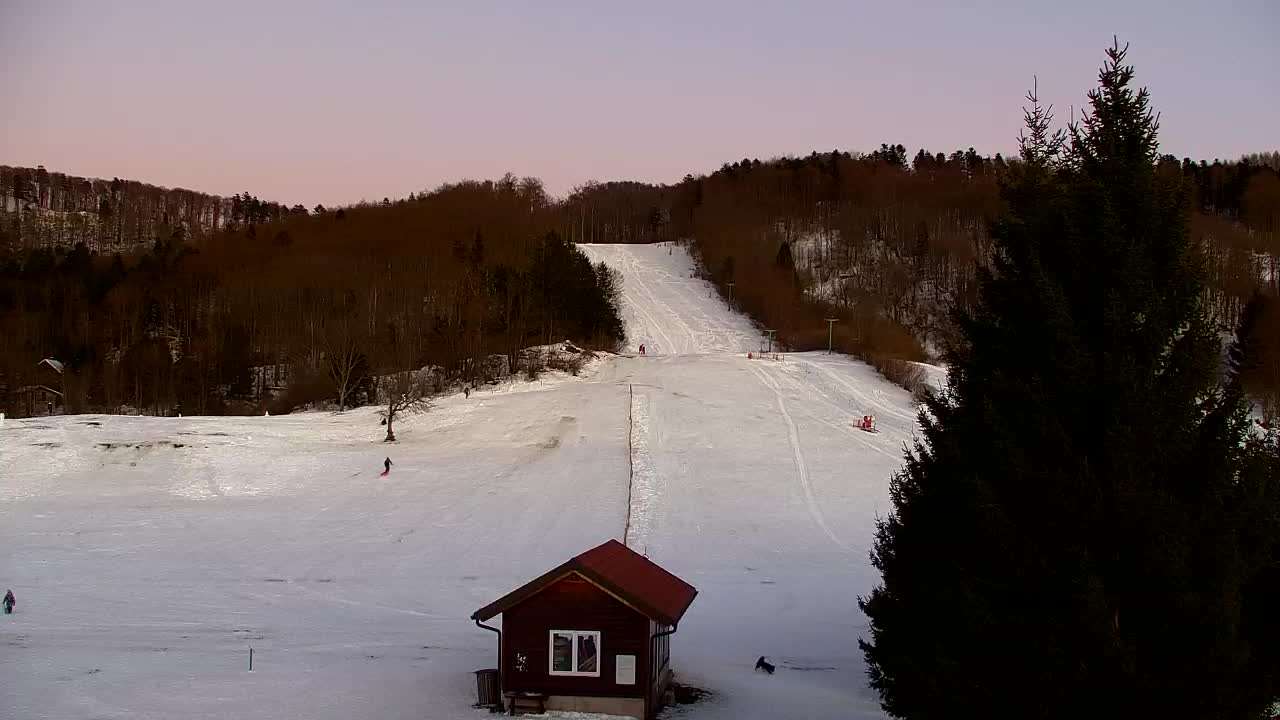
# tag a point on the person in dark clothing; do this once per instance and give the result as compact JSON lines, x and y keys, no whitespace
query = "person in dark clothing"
{"x":386,"y":464}
{"x":9,"y":602}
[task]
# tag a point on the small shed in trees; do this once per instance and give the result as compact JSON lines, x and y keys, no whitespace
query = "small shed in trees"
{"x":592,"y":635}
{"x":44,"y":395}
{"x":34,"y":400}
{"x":51,"y":369}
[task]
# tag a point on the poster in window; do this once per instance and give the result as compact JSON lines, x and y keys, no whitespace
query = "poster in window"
{"x":587,"y":654}
{"x":624,"y":669}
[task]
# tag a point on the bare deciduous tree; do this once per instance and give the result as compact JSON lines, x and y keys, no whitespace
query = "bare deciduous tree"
{"x":344,"y":358}
{"x":409,"y":392}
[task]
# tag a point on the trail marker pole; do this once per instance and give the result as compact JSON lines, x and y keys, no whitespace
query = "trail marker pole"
{"x":830,"y":324}
{"x":251,"y":658}
{"x":730,"y":295}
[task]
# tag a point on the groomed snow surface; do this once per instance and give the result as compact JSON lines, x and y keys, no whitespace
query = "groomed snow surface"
{"x":149,"y":554}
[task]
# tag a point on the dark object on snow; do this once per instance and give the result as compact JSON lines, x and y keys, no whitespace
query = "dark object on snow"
{"x":764,"y":665}
{"x":9,"y":602}
{"x":387,"y":464}
{"x":384,"y":421}
{"x":688,"y":694}
{"x":466,"y":391}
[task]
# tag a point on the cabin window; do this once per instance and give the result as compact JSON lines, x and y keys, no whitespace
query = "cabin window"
{"x":575,"y":652}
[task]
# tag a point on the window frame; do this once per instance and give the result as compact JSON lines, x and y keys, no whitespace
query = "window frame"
{"x":573,"y":657}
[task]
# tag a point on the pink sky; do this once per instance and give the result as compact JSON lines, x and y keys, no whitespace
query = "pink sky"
{"x":319,"y":102}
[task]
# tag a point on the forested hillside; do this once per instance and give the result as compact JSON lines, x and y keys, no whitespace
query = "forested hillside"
{"x":42,"y":209}
{"x":307,"y":301}
{"x":886,"y":242}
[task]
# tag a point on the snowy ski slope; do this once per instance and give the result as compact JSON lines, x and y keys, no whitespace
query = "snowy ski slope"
{"x":149,"y":554}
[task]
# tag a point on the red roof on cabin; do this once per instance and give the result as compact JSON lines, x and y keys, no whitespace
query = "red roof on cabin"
{"x":632,"y":577}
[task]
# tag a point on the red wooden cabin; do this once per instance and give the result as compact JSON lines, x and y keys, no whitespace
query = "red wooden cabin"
{"x":592,"y":635}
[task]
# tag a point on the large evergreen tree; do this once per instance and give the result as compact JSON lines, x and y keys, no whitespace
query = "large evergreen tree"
{"x":1082,"y":531}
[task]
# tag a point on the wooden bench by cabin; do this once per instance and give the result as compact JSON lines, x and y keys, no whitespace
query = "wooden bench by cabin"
{"x":526,"y":701}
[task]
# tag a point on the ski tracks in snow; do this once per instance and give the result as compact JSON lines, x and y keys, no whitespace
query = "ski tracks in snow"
{"x":654,"y":324}
{"x":846,"y":427}
{"x":879,"y":405}
{"x":366,"y":605}
{"x":802,"y":472}
{"x":645,"y":491}
{"x":636,"y":272}
{"x":667,"y":311}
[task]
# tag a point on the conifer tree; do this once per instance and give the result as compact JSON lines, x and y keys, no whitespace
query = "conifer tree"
{"x":1082,"y":530}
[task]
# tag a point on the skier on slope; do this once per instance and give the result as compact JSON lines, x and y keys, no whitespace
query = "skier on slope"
{"x":9,"y":602}
{"x":642,"y":348}
{"x":387,"y":464}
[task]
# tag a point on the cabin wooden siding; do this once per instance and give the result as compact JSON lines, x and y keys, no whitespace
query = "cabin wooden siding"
{"x":573,"y":603}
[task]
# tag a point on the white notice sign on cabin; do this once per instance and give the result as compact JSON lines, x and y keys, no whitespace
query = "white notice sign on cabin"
{"x":624,"y":669}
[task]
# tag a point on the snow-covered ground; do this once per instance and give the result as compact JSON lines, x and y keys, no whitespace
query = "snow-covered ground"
{"x":668,"y":311}
{"x":149,"y":554}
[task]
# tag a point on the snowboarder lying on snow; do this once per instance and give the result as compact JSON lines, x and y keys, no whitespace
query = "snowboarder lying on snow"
{"x":9,"y":602}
